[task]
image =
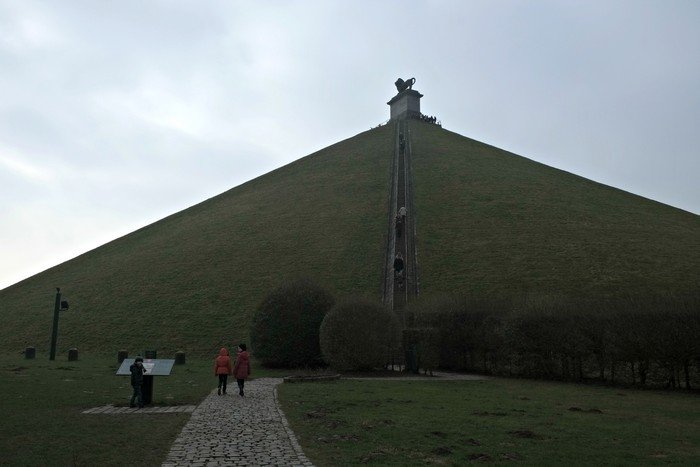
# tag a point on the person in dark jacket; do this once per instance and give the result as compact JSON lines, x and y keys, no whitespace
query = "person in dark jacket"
{"x":399,"y":269}
{"x":241,"y":369}
{"x":222,"y":368}
{"x":398,"y":264}
{"x":137,"y":370}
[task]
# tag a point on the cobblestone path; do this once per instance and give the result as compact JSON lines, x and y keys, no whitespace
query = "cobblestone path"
{"x":234,"y":430}
{"x":112,"y":410}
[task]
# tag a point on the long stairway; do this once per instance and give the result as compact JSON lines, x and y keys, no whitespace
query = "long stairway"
{"x":400,"y":288}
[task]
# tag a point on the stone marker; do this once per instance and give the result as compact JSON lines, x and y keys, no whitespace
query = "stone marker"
{"x":179,"y":357}
{"x":72,"y":354}
{"x":30,"y":353}
{"x":121,"y":355}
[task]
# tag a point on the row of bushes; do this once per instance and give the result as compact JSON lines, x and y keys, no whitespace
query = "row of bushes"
{"x":300,"y":325}
{"x":636,"y":340}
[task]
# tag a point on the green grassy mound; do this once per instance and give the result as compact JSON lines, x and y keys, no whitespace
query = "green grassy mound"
{"x":489,"y":223}
{"x":496,"y":224}
{"x":192,"y":280}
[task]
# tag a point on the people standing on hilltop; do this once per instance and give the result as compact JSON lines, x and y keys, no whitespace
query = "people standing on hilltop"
{"x":222,"y":368}
{"x":137,"y":370}
{"x":241,"y":369}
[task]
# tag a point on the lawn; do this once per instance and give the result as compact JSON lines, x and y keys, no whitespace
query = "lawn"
{"x":42,"y":401}
{"x":499,"y":420}
{"x":348,"y":421}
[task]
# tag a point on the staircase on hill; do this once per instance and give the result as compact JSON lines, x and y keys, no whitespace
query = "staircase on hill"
{"x":399,"y":288}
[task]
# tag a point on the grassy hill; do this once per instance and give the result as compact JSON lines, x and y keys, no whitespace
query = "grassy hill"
{"x":493,"y":223}
{"x":192,"y":280}
{"x":489,"y":222}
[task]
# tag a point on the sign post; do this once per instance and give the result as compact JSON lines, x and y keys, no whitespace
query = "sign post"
{"x":154,"y":367}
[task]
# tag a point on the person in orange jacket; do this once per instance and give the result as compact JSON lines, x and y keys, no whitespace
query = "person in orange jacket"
{"x":241,"y":369}
{"x":222,"y":368}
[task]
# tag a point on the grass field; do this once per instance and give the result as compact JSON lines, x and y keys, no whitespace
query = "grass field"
{"x":41,"y":421}
{"x":349,"y":422}
{"x":499,"y":420}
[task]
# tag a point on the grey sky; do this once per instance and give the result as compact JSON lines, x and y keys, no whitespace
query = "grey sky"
{"x":116,"y":114}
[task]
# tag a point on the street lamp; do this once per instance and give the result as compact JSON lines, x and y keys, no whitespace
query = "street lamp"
{"x":58,"y":306}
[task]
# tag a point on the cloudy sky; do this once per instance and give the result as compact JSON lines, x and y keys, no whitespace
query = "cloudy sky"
{"x":116,"y":114}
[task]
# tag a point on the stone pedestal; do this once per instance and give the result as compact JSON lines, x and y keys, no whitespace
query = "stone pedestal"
{"x":405,"y":104}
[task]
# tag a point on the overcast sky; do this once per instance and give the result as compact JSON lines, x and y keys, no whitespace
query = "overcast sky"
{"x":116,"y":114}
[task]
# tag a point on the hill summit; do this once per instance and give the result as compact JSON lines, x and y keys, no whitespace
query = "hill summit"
{"x":488,"y":223}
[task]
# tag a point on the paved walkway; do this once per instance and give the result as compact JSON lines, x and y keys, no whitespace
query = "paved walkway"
{"x":112,"y":410}
{"x":251,"y":430}
{"x":233,"y":430}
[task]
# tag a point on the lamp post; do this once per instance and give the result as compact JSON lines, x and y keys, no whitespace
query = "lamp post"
{"x":58,"y":306}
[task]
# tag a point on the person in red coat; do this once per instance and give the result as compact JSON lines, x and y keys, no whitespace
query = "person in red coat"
{"x":222,"y":368}
{"x":241,"y":369}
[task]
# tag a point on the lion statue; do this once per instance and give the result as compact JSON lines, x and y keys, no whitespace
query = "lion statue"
{"x":402,"y":85}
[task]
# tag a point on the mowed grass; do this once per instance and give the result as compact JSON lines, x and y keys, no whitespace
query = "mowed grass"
{"x":499,"y":420}
{"x":350,"y":422}
{"x":492,"y":223}
{"x":193,"y":280}
{"x":42,"y":424}
{"x":489,"y":223}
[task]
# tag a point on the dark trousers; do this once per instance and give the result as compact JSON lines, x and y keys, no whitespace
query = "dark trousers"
{"x":223,"y":379}
{"x":240,"y":382}
{"x":138,"y":394}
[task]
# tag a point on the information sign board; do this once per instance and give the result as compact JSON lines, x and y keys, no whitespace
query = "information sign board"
{"x":154,"y":367}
